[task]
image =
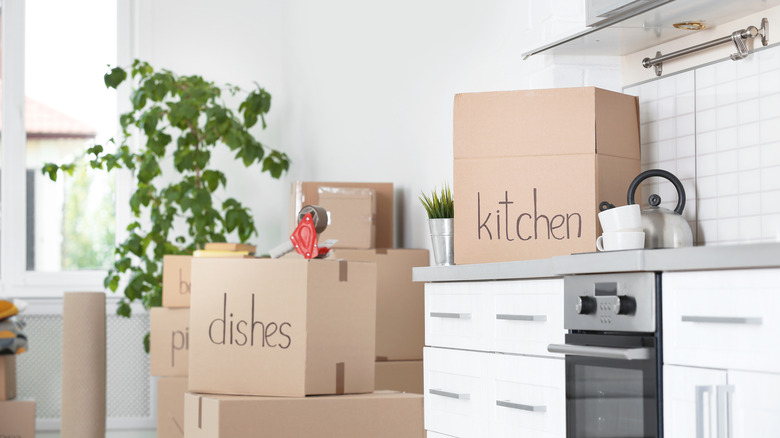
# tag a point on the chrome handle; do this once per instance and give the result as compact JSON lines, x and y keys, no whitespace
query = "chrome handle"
{"x":601,"y":352}
{"x":510,"y":317}
{"x":449,"y":394}
{"x":723,"y":319}
{"x":512,"y":405}
{"x":724,"y":410}
{"x":450,"y":315}
{"x":700,"y":391}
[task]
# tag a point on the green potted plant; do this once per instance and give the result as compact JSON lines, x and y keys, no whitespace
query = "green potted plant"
{"x":180,"y":119}
{"x":441,"y":211}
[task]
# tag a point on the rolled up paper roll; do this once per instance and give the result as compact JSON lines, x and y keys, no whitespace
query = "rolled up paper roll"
{"x":84,"y":365}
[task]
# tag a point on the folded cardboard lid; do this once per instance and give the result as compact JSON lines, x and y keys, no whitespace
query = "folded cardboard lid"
{"x":560,"y":121}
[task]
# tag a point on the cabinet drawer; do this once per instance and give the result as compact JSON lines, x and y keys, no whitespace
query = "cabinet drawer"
{"x":722,"y":319}
{"x":527,"y":316}
{"x":528,"y":396}
{"x":456,"y":316}
{"x":456,"y":392}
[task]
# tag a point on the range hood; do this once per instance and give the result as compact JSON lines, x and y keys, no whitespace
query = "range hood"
{"x":621,"y":27}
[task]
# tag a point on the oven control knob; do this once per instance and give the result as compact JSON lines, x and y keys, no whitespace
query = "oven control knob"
{"x":625,"y":305}
{"x":585,"y":305}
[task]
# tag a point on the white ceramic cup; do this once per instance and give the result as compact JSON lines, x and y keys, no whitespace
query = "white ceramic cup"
{"x":618,"y":240}
{"x":624,"y":218}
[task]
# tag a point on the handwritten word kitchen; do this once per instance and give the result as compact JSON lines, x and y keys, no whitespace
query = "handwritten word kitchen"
{"x":515,"y":221}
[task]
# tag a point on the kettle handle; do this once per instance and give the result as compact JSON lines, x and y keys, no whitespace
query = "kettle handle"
{"x":663,"y":174}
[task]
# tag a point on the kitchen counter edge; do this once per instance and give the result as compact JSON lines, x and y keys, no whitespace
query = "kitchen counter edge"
{"x":748,"y":256}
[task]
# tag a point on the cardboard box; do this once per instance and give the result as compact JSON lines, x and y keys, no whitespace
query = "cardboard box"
{"x":17,"y":419}
{"x":176,"y":281}
{"x":377,"y":415}
{"x":7,"y":377}
{"x":401,"y":375}
{"x":282,"y":327}
{"x":400,"y":302}
{"x":169,"y":342}
{"x":307,"y":193}
{"x":531,"y":168}
{"x":351,"y":216}
{"x":170,"y":406}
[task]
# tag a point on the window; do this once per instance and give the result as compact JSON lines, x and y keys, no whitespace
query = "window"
{"x":54,"y":105}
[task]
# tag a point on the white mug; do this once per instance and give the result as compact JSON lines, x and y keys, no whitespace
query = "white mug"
{"x":621,"y":240}
{"x":624,"y":218}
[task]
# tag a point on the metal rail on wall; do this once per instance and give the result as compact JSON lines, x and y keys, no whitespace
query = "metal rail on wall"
{"x":738,"y":38}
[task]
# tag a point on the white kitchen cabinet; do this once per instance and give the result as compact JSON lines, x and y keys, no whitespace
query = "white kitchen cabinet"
{"x":722,"y":319}
{"x":456,"y":392}
{"x":527,"y":396}
{"x":690,"y":408}
{"x":722,"y":365}
{"x":486,"y":365}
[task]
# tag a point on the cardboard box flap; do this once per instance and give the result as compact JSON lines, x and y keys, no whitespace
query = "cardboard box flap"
{"x":519,"y":123}
{"x":616,"y":128}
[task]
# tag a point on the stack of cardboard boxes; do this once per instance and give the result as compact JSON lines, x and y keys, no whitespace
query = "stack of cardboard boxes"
{"x":400,"y":319}
{"x":169,"y":345}
{"x":289,"y":347}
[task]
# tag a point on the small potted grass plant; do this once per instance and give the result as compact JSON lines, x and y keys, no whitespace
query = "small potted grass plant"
{"x":440,"y":209}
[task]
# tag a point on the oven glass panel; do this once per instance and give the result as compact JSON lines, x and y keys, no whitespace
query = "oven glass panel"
{"x":609,"y":402}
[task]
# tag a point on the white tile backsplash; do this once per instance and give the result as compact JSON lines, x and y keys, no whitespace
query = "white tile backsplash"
{"x":717,"y":128}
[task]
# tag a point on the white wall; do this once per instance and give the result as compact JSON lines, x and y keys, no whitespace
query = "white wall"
{"x":363,"y":91}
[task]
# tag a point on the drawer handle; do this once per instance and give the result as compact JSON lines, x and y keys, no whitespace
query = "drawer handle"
{"x":450,"y":315}
{"x":450,"y":394}
{"x":510,"y":317}
{"x":512,"y":405}
{"x":723,"y":319}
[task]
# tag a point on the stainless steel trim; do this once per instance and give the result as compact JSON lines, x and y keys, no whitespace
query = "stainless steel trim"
{"x":601,"y":352}
{"x":723,"y":319}
{"x":450,"y":315}
{"x":700,"y":391}
{"x":510,"y":317}
{"x":450,"y":394}
{"x":512,"y":405}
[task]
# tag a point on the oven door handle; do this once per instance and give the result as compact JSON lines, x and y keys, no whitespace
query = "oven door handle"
{"x":640,"y":353}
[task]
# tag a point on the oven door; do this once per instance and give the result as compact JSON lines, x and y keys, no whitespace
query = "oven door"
{"x":612,"y":386}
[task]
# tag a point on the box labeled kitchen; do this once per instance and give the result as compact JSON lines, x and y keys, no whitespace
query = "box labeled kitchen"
{"x":17,"y":418}
{"x":282,"y":327}
{"x":376,"y":415}
{"x":400,"y":375}
{"x":351,"y":216}
{"x":400,"y":302}
{"x":169,"y":340}
{"x":7,"y":376}
{"x":170,"y":406}
{"x":176,"y":281}
{"x":531,"y":167}
{"x":308,"y":193}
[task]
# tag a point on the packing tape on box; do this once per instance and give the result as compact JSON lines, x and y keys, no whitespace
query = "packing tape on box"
{"x":84,"y":365}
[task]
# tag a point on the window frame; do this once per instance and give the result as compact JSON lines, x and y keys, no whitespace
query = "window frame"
{"x":15,"y":279}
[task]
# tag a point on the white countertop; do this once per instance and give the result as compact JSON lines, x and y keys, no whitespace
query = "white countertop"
{"x":763,"y":255}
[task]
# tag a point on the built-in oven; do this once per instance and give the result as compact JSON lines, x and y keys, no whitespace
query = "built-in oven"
{"x":613,"y":355}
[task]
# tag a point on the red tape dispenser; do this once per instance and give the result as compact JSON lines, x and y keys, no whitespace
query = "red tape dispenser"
{"x":312,"y":220}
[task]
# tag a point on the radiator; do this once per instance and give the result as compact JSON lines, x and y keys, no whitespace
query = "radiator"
{"x":131,"y":392}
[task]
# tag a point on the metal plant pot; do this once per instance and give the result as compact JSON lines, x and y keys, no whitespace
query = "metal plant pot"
{"x":441,"y":240}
